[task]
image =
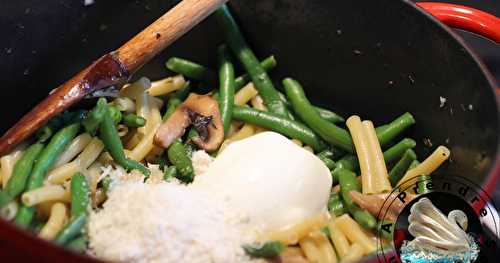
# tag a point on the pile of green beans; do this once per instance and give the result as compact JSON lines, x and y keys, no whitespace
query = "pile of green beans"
{"x":20,"y":174}
{"x":178,"y":156}
{"x":336,"y":205}
{"x":80,"y":204}
{"x":113,"y":144}
{"x":44,"y":161}
{"x":399,"y":169}
{"x":348,"y":183}
{"x":134,"y":121}
{"x":277,"y":123}
{"x":226,"y":87}
{"x":308,"y":114}
{"x":187,"y":67}
{"x":191,"y":69}
{"x":245,"y":55}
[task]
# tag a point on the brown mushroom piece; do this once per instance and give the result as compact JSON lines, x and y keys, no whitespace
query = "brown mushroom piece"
{"x":201,"y":111}
{"x":380,"y":204}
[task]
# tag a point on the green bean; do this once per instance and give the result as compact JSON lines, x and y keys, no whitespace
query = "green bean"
{"x":399,"y":169}
{"x":95,"y":116}
{"x":247,"y":58}
{"x":78,"y":244}
{"x":71,"y":230}
{"x":268,"y":249}
{"x":335,"y":204}
{"x":348,"y":183}
{"x":326,"y":231}
{"x":132,"y":120}
{"x":44,"y":133}
{"x":44,"y":161}
{"x":177,"y":155}
{"x":113,"y":144}
{"x":54,"y":124}
{"x":20,"y":174}
{"x":183,"y":93}
{"x":327,"y":161}
{"x":116,"y":114}
{"x":267,"y":64}
{"x":176,"y":99}
{"x":332,"y":153}
{"x":307,"y":113}
{"x":4,"y":199}
{"x":413,"y":164}
{"x":226,"y":87}
{"x":271,"y":121}
{"x":172,"y":104}
{"x":326,"y":154}
{"x":398,"y":150}
{"x":329,"y":115}
{"x":170,"y":173}
{"x":422,"y":182}
{"x":388,"y":132}
{"x":324,"y":113}
{"x":348,"y":162}
{"x":191,"y":69}
{"x":80,"y":195}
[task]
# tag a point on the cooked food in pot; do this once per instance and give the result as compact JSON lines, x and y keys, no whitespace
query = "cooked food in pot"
{"x":208,"y":166}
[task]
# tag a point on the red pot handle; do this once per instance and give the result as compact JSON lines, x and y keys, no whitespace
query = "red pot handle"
{"x":466,"y":18}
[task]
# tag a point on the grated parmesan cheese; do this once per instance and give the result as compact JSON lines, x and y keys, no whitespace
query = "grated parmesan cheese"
{"x":201,"y":162}
{"x":166,"y":222}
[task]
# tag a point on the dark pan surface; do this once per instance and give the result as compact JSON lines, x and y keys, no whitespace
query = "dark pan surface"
{"x":377,"y":59}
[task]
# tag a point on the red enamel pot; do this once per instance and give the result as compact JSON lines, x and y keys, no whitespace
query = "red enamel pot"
{"x":376,"y":59}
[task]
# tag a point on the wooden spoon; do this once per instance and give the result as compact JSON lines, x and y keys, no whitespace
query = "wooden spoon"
{"x":113,"y":68}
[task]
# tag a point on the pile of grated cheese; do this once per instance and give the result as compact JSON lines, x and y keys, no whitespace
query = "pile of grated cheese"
{"x":166,"y":222}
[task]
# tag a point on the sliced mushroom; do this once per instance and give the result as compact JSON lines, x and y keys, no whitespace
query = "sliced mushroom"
{"x":386,"y":205}
{"x":202,"y":112}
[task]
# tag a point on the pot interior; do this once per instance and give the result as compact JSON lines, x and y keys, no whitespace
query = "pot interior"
{"x":378,"y":60}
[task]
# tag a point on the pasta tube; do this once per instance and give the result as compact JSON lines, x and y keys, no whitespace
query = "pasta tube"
{"x":166,"y":85}
{"x":359,"y":137}
{"x":135,"y":89}
{"x":376,"y":157}
{"x":428,"y":166}
{"x":57,"y":219}
{"x":9,"y":211}
{"x":355,"y":253}
{"x":82,"y":162}
{"x":245,"y":94}
{"x":45,"y":194}
{"x":73,"y":149}
{"x":143,"y":110}
{"x":311,"y":251}
{"x":7,"y":163}
{"x":258,"y":103}
{"x":293,"y":234}
{"x":339,"y":239}
{"x":124,"y":104}
{"x":146,"y":144}
{"x":62,"y":173}
{"x":323,"y":244}
{"x":354,"y":233}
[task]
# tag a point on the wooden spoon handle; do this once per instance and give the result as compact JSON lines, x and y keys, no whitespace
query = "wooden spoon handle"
{"x":165,"y":31}
{"x":112,"y":68}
